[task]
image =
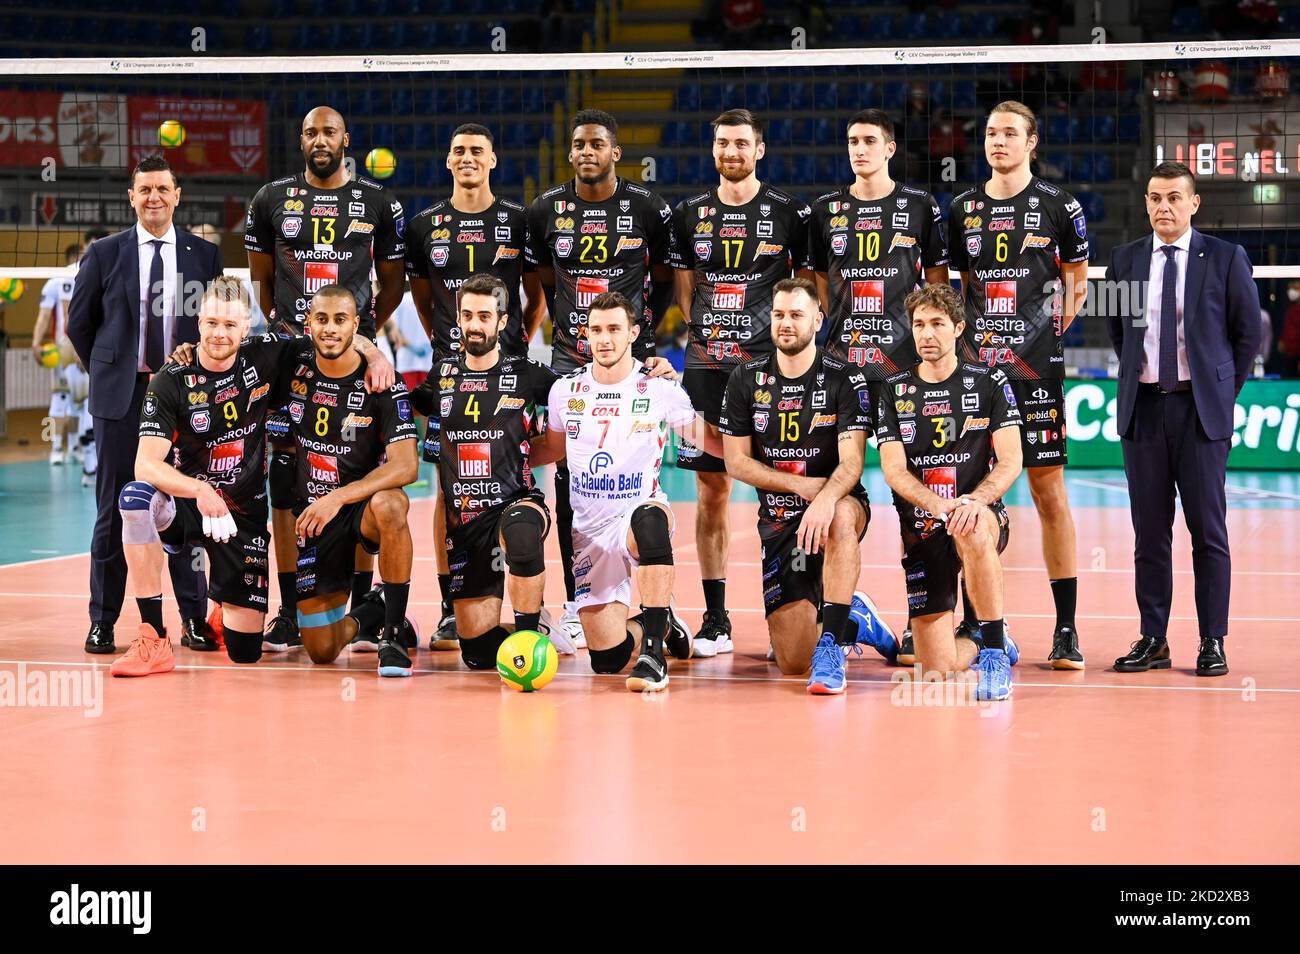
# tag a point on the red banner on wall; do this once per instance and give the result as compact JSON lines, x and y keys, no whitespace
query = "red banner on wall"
{"x":222,"y":136}
{"x":76,"y":130}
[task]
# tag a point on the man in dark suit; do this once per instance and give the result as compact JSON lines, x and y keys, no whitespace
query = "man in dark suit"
{"x":136,"y":297}
{"x":1183,"y":358}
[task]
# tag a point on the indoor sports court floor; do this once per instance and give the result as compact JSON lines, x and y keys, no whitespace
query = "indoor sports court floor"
{"x":289,"y":762}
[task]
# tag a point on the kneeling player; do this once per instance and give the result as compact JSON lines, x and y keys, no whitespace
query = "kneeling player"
{"x":949,"y":435}
{"x":356,"y":450}
{"x":612,"y":420}
{"x":795,"y":428}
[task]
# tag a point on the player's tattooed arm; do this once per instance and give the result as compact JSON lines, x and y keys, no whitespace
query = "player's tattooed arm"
{"x":893,"y":464}
{"x":1006,"y":447}
{"x":182,"y":355}
{"x":738,"y":452}
{"x":379,"y":370}
{"x":815,"y":525}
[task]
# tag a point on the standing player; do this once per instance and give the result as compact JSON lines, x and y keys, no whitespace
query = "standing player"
{"x":302,"y":233}
{"x":795,"y":428}
{"x":612,"y":419}
{"x":472,"y":233}
{"x":949,"y":439}
{"x":356,"y":451}
{"x":596,"y":233}
{"x":1021,"y":246}
{"x":68,"y":398}
{"x":488,"y":406}
{"x":733,"y":244}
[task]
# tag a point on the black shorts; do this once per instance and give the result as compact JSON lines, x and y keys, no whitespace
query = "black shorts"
{"x":783,"y":583}
{"x":237,"y":568}
{"x":326,"y":561}
{"x":931,"y":564}
{"x":474,"y":559}
{"x":706,"y":389}
{"x":1042,"y":413}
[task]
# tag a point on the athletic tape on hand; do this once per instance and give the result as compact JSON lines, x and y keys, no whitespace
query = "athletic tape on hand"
{"x":220,"y":529}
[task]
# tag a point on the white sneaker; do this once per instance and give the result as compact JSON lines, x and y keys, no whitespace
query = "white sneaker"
{"x":57,"y":457}
{"x":87,"y":480}
{"x":559,"y":638}
{"x":78,"y":453}
{"x":90,"y":459}
{"x":572,"y":626}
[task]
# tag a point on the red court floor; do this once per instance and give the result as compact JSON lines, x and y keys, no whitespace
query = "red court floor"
{"x":290,"y":762}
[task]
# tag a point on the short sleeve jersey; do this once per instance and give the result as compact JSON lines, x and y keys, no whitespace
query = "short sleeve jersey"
{"x":324,"y":237}
{"x":1012,"y":250}
{"x":614,"y":437}
{"x":795,"y":423}
{"x":738,"y":252}
{"x":55,"y":296}
{"x":597,"y":247}
{"x":446,"y":247}
{"x":873,"y":254}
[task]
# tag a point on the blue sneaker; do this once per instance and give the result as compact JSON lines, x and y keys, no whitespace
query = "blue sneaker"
{"x":994,"y":668}
{"x":872,"y":628}
{"x":1013,"y":651}
{"x":827,"y":678}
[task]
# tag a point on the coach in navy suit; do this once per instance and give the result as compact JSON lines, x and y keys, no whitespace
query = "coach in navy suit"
{"x":136,"y":297}
{"x":1185,"y":344}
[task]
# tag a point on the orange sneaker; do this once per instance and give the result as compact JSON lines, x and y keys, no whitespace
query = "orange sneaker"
{"x":149,"y":654}
{"x":218,"y":629}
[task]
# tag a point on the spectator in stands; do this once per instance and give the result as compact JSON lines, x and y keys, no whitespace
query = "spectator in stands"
{"x":742,"y":23}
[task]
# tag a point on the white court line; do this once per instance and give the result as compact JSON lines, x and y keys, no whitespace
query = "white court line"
{"x":675,"y":673}
{"x":1255,"y":492}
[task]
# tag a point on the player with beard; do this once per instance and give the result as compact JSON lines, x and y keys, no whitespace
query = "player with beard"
{"x":472,"y":233}
{"x":304,"y":232}
{"x":1021,"y":246}
{"x":732,"y":245}
{"x":596,"y":233}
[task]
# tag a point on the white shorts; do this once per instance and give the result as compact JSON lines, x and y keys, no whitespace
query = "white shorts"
{"x":602,"y":563}
{"x":69,"y":393}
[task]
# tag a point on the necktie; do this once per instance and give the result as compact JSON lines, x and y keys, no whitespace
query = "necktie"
{"x":155,"y":349}
{"x":1169,"y":321}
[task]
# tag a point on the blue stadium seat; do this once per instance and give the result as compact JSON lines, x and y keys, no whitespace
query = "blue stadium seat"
{"x":404,"y":137}
{"x":666,"y":170}
{"x":257,"y":37}
{"x":1103,"y":128}
{"x":537,"y":100}
{"x":1094,"y":206}
{"x":462,"y":34}
{"x":1130,"y":127}
{"x":688,"y":97}
{"x":466,"y":100}
{"x":948,"y":25}
{"x":1103,"y":169}
{"x":778,"y":132}
{"x":964,"y":94}
{"x":831,"y":168}
{"x":515,"y":135}
{"x":1187,"y":21}
{"x":913,"y":26}
{"x":803,"y":169}
{"x":382,"y":134}
{"x":825,"y":132}
{"x":775,"y":169}
{"x":710,"y":92}
{"x":403,"y":101}
{"x":982,"y":25}
{"x":893,"y":95}
{"x":757,"y":97}
{"x":826,"y":95}
{"x":424,"y":135}
{"x":1062,"y":129}
{"x":1062,"y":161}
{"x":1081,"y":166}
{"x":877,"y":27}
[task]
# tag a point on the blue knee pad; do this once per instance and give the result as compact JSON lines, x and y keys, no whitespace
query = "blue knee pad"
{"x":522,"y":528}
{"x":650,"y":531}
{"x":284,"y":471}
{"x":145,"y":511}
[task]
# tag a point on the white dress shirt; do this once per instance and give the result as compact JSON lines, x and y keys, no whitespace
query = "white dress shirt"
{"x":143,"y":238}
{"x":1155,"y":294}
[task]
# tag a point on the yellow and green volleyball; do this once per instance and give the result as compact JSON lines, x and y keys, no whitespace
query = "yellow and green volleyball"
{"x":527,"y":661}
{"x":11,"y":289}
{"x":171,"y":134}
{"x":381,"y":163}
{"x":49,"y":355}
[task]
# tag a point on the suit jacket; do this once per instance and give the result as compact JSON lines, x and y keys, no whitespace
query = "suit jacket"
{"x":1221,"y":326}
{"x":104,"y":314}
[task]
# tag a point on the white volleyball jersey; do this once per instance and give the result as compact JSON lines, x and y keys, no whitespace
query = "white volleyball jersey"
{"x":615,"y":436}
{"x":55,"y":296}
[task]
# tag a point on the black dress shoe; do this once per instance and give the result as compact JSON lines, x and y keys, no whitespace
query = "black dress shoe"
{"x":100,"y":639}
{"x":1210,"y":659}
{"x":196,"y":634}
{"x":1147,"y":653}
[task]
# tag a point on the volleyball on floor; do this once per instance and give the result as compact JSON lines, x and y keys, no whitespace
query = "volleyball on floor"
{"x":527,"y":661}
{"x":381,"y":163}
{"x":171,"y":134}
{"x":49,"y":355}
{"x":11,"y":289}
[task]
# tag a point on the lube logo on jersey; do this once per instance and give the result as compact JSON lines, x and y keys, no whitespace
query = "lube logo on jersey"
{"x":869,"y":298}
{"x":768,"y":248}
{"x":225,"y":457}
{"x":474,"y":461}
{"x":1000,"y":298}
{"x":728,"y":297}
{"x":587,"y":289}
{"x":323,"y":467}
{"x":942,"y":481}
{"x":316,"y":275}
{"x":791,"y":466}
{"x":627,"y":244}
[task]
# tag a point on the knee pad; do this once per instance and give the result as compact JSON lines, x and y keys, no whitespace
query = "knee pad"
{"x":242,"y":647}
{"x":650,"y":531}
{"x":145,"y":511}
{"x":608,"y":661}
{"x":481,"y":651}
{"x":522,"y":528}
{"x":284,"y":470}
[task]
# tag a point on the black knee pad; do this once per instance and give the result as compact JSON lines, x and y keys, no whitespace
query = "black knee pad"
{"x":522,"y":528}
{"x":242,"y":647}
{"x":284,"y":471}
{"x":650,"y":531}
{"x":607,"y":661}
{"x":481,"y":651}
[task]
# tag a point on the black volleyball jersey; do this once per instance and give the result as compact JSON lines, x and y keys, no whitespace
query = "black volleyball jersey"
{"x":216,"y":421}
{"x":795,"y":423}
{"x":874,"y":253}
{"x":340,"y":428}
{"x":1012,"y":250}
{"x":946,"y":429}
{"x":446,"y":247}
{"x":738,"y":252}
{"x":488,"y":420}
{"x":597,"y":247}
{"x":324,"y":237}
